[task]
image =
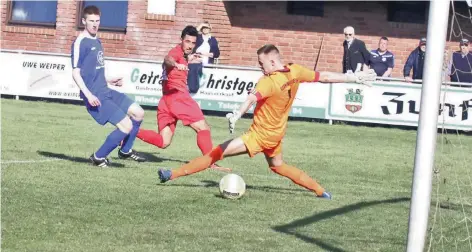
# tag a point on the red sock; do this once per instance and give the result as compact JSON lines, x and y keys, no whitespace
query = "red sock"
{"x":204,"y":141}
{"x":150,"y":136}
{"x":298,"y":177}
{"x":198,"y":164}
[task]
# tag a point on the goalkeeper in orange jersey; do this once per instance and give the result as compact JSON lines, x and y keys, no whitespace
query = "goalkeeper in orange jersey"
{"x":274,"y":95}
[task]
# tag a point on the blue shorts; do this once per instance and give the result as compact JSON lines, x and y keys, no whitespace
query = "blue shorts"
{"x":114,"y":107}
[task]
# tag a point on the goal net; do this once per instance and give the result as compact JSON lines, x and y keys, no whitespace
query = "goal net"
{"x":450,"y":222}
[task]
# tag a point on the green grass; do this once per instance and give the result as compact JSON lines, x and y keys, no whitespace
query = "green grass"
{"x":66,"y":204}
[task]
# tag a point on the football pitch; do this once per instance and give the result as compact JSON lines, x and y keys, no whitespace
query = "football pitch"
{"x":53,"y":199}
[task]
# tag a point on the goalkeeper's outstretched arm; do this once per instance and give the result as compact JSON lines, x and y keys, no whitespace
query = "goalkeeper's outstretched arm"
{"x":330,"y":77}
{"x":360,"y":77}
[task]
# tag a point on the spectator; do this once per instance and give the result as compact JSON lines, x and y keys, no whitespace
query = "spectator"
{"x":415,"y":61}
{"x":382,"y":60}
{"x":460,"y":65}
{"x":355,"y":56}
{"x":207,"y":48}
{"x":207,"y":45}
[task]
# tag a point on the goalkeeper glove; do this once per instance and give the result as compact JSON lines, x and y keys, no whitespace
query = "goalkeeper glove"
{"x":232,"y":118}
{"x":363,"y":77}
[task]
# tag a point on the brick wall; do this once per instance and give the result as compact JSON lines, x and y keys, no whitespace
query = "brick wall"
{"x":240,"y":27}
{"x":300,"y":37}
{"x":147,"y":36}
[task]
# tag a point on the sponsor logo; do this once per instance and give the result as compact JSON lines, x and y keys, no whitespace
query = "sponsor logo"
{"x":354,"y":100}
{"x":100,"y":58}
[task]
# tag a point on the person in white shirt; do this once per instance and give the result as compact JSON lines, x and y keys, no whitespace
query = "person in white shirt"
{"x":207,"y":45}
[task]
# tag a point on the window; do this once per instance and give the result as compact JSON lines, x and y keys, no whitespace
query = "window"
{"x":114,"y":14}
{"x":306,"y":8}
{"x":40,"y":13}
{"x":408,"y":11}
{"x":163,"y":7}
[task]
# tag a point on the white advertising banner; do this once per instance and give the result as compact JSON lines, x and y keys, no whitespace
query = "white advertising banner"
{"x":221,"y":89}
{"x":398,"y":104}
{"x":38,"y":75}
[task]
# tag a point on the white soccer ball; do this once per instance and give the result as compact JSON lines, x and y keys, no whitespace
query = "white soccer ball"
{"x":232,"y":186}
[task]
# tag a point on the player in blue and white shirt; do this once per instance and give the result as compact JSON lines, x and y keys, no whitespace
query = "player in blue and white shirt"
{"x":104,"y":104}
{"x":382,"y":60}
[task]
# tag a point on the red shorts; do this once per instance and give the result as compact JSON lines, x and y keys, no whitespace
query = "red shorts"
{"x":177,"y":106}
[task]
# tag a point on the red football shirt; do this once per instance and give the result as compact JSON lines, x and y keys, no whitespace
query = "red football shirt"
{"x":176,"y":79}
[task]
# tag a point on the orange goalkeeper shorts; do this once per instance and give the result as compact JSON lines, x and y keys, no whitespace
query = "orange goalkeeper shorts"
{"x":255,"y":143}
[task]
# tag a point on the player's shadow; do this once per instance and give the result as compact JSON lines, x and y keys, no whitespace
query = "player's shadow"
{"x":291,"y":228}
{"x":211,"y":183}
{"x":153,"y":157}
{"x":72,"y":159}
{"x":446,"y":204}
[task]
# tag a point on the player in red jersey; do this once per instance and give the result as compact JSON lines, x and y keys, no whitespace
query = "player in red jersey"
{"x":176,"y":102}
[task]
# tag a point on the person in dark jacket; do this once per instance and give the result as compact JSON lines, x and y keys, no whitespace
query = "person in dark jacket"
{"x":207,"y":45}
{"x":356,"y":56}
{"x":416,"y":62}
{"x":460,"y":65}
{"x":208,"y":50}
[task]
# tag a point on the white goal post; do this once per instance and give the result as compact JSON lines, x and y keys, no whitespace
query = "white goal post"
{"x":427,"y":126}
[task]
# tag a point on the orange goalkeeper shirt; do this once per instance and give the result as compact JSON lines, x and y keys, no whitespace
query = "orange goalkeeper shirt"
{"x":275,"y":95}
